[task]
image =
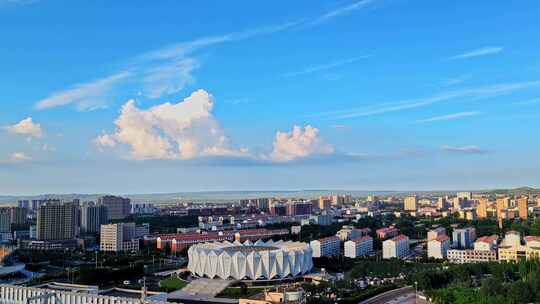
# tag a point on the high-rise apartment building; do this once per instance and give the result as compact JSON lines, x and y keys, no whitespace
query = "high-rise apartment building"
{"x":397,"y":247}
{"x":502,"y":204}
{"x":325,"y":203}
{"x":410,"y":203}
{"x":18,"y":215}
{"x":92,"y":217}
{"x":358,"y":247}
{"x":119,"y":237}
{"x":441,"y":203}
{"x":5,"y":220}
{"x":464,"y":238}
{"x":117,"y":207}
{"x":57,"y":221}
{"x":481,"y":208}
{"x":465,"y":195}
{"x":523,"y":207}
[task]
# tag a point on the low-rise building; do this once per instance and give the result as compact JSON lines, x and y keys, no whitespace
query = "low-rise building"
{"x":326,"y":247}
{"x":486,"y":243}
{"x":358,"y":247}
{"x":396,"y":247}
{"x":458,"y":256}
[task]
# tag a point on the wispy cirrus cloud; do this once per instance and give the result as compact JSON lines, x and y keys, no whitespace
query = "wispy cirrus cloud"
{"x":325,"y":66}
{"x":529,"y":102}
{"x":489,"y":50}
{"x":341,"y":11}
{"x":455,"y":80}
{"x":454,"y":116}
{"x":391,"y":107}
{"x":168,"y":70}
{"x":85,"y":96}
{"x":472,"y":149}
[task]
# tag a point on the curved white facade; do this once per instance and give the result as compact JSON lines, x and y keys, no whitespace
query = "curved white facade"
{"x":251,"y":261}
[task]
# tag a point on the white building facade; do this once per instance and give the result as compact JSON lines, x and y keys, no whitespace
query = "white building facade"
{"x":438,"y":247}
{"x":359,"y":247}
{"x":397,"y":247}
{"x":326,"y":247}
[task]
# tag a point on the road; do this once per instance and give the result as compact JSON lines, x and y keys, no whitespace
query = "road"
{"x":404,"y":295}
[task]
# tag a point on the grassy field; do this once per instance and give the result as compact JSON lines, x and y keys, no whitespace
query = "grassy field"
{"x":172,"y":283}
{"x":236,"y":293}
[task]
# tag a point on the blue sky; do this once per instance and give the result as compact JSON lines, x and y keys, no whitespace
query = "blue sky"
{"x":139,"y":96}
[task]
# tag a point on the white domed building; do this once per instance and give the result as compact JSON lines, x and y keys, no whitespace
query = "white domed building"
{"x":250,"y":261}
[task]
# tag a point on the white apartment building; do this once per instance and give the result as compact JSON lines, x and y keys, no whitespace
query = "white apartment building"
{"x":486,"y":243}
{"x":326,"y":247}
{"x":434,"y":233}
{"x":438,"y":247}
{"x":457,"y":256}
{"x":359,"y":247}
{"x":119,"y":237}
{"x":397,"y":247}
{"x":349,"y":232}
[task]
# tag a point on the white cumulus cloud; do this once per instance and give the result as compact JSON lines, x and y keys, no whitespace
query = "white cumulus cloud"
{"x":183,"y":130}
{"x":299,"y":143}
{"x":26,"y":127}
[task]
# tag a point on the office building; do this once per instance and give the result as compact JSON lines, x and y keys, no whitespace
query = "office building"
{"x":118,"y":237}
{"x":326,"y":247}
{"x":117,"y":207}
{"x":463,"y":238}
{"x":357,"y":247}
{"x":410,"y":203}
{"x":92,"y":217}
{"x":57,"y":221}
{"x":438,"y":247}
{"x":396,"y":247}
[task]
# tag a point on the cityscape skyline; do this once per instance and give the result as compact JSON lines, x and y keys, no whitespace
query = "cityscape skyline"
{"x":352,"y":95}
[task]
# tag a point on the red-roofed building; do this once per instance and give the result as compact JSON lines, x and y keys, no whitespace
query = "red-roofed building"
{"x":438,"y":247}
{"x":387,"y":232}
{"x":181,"y":241}
{"x":486,"y":243}
{"x":358,"y":247}
{"x":396,"y":247}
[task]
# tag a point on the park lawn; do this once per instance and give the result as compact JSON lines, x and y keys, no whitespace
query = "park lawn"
{"x":172,"y":283}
